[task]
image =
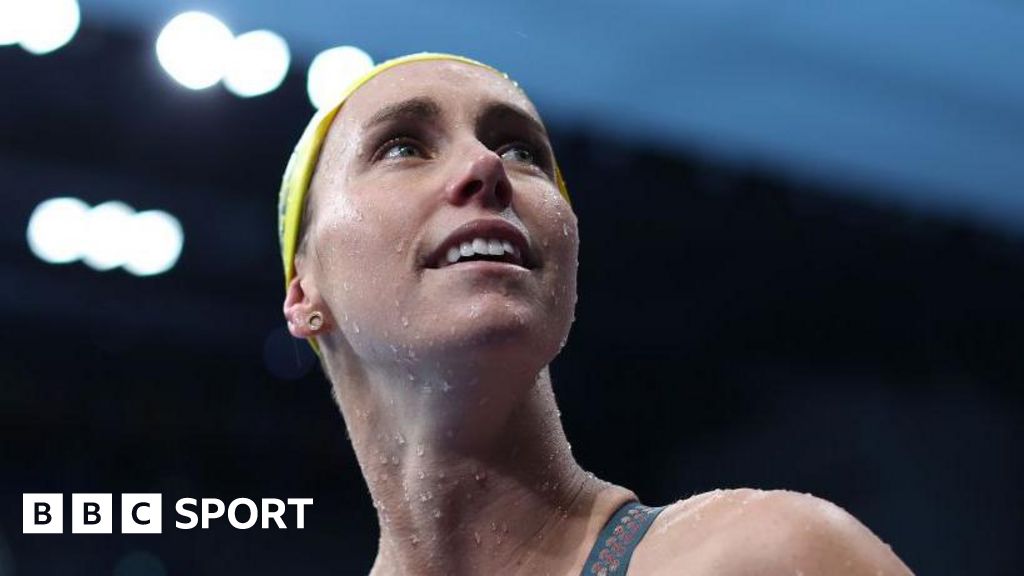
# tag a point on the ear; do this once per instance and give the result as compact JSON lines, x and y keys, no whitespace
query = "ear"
{"x":299,"y":304}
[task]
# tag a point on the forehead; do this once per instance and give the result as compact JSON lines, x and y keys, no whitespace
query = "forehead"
{"x":455,"y":86}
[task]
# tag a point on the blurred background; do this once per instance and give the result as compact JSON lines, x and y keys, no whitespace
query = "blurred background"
{"x":802,"y":261}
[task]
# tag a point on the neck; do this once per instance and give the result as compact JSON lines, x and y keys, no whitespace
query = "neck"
{"x":472,"y":474}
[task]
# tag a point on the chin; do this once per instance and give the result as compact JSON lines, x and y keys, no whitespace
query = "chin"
{"x":510,"y":344}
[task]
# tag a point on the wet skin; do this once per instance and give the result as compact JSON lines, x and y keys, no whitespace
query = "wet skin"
{"x":441,"y":371}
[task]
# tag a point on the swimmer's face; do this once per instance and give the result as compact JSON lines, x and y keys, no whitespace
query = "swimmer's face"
{"x":416,"y":156}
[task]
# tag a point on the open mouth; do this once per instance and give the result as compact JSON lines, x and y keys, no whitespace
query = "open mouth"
{"x":484,"y":240}
{"x":480,"y":249}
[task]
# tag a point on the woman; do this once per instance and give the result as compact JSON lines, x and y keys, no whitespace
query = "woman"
{"x":430,"y":257}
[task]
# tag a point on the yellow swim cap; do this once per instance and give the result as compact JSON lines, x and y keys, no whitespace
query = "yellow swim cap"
{"x":299,"y":171}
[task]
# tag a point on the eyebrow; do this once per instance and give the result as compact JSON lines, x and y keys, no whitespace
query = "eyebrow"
{"x":412,"y":109}
{"x":505,"y":112}
{"x":423,"y":108}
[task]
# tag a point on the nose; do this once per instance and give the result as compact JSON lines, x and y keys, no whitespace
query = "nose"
{"x":480,"y":177}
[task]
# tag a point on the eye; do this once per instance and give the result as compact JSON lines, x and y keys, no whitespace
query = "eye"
{"x":519,"y":153}
{"x":398,"y":148}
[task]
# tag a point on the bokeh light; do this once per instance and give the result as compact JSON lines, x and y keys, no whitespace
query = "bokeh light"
{"x":258,"y":64}
{"x":194,"y":48}
{"x":63,"y":230}
{"x":157,"y":240}
{"x":40,"y":26}
{"x":11,"y":17}
{"x":106,"y":238}
{"x":332,"y":71}
{"x":55,"y":230}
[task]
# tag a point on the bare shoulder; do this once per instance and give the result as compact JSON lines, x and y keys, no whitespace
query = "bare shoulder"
{"x":745,"y":531}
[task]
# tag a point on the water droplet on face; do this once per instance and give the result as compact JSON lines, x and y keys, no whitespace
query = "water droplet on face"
{"x":480,"y":475}
{"x":346,"y":286}
{"x":445,"y":386}
{"x":399,"y":438}
{"x":437,"y":513}
{"x":414,"y":539}
{"x":355,"y":326}
{"x":419,"y":451}
{"x":494,"y":527}
{"x":425,"y":496}
{"x":476,"y":537}
{"x":565,"y":229}
{"x":394,"y":460}
{"x":405,"y":322}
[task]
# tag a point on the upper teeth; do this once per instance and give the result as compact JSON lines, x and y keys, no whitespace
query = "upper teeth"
{"x":483,"y":246}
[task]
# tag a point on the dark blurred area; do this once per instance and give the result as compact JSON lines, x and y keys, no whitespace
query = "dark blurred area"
{"x":738,"y":325}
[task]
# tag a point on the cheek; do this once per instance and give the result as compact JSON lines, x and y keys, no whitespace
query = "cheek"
{"x":570,"y":233}
{"x":562,"y":234}
{"x":345,"y":249}
{"x":364,"y":257}
{"x":565,"y":232}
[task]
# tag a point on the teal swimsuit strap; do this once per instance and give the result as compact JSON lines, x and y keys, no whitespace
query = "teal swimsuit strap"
{"x":618,"y":539}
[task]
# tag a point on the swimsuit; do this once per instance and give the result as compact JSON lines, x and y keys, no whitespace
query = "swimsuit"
{"x":617,"y":540}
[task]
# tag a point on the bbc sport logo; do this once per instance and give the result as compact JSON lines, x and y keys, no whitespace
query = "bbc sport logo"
{"x":143,"y":514}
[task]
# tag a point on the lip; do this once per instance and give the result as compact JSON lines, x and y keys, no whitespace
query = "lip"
{"x":486,"y":267}
{"x":495,"y":228}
